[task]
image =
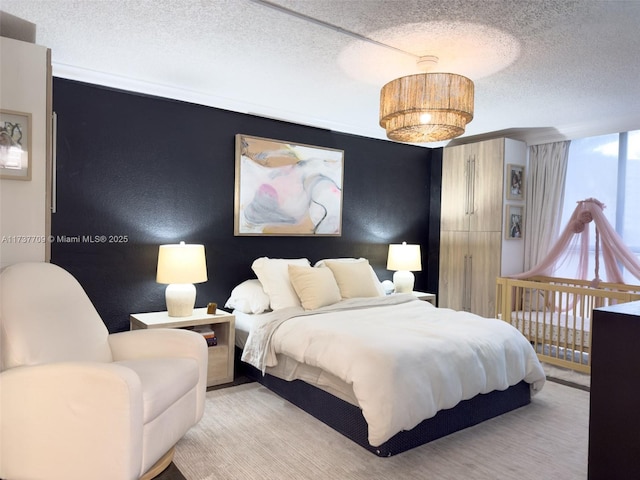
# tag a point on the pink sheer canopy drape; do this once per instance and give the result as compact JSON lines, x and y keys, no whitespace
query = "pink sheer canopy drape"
{"x":608,"y":244}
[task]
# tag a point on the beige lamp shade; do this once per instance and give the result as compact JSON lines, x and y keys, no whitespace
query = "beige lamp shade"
{"x":404,"y":259}
{"x":426,"y":107}
{"x":181,"y":266}
{"x":181,"y":263}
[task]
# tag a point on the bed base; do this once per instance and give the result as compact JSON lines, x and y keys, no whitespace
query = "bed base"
{"x":558,"y":313}
{"x":348,"y":420}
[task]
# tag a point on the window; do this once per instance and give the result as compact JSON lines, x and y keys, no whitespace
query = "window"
{"x":607,"y":168}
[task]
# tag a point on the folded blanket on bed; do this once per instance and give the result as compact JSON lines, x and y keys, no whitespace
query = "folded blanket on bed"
{"x":405,"y":359}
{"x":259,"y":351}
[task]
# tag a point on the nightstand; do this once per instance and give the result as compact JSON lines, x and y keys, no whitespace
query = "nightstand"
{"x":220,"y":368}
{"x":427,"y":297}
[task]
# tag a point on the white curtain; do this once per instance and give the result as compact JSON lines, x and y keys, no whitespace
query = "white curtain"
{"x":544,"y":196}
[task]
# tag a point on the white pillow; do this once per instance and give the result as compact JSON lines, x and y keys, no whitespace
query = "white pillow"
{"x":376,"y":280}
{"x":273,"y":274}
{"x":316,"y":287}
{"x":354,"y":278}
{"x":248,"y":297}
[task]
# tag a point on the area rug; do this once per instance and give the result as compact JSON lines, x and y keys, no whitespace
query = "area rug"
{"x":248,"y":432}
{"x":567,"y":376}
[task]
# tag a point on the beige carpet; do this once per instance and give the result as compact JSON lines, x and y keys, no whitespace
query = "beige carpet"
{"x":565,"y":375}
{"x":250,"y":433}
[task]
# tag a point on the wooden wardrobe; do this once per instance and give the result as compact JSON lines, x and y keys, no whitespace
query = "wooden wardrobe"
{"x":474,"y":249}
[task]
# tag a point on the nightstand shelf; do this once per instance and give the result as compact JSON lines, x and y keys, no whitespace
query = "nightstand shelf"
{"x":220,"y":368}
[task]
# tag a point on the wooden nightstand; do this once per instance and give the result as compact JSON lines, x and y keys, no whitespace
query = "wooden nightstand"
{"x":427,"y":297}
{"x":220,"y":369}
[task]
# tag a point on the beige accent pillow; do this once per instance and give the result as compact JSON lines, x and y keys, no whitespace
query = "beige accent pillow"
{"x":354,"y":278}
{"x":376,"y":280}
{"x":274,"y":277}
{"x":316,"y":287}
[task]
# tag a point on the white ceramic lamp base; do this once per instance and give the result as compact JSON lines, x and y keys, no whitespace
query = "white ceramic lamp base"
{"x":180,"y":298}
{"x":403,"y":281}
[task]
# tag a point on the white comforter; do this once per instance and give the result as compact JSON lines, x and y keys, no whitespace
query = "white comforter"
{"x":405,"y":359}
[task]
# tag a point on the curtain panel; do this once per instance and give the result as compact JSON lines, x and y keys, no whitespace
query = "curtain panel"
{"x":544,"y":197}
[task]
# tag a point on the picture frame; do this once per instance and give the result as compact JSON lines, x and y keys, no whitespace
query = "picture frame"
{"x":15,"y":145}
{"x":515,"y":181}
{"x":514,"y":222}
{"x":285,"y":188}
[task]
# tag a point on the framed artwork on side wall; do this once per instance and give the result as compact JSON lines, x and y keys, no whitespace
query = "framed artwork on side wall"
{"x":285,"y":188}
{"x":514,"y":225}
{"x":515,"y":182}
{"x":15,"y":145}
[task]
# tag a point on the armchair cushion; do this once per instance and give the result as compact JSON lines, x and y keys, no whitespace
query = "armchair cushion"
{"x":163,"y":382}
{"x":165,"y":343}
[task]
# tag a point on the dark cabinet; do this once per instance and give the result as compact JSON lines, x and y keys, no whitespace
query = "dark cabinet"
{"x":614,"y":411}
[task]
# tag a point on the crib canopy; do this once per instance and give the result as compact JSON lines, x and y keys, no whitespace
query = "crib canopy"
{"x":575,"y":237}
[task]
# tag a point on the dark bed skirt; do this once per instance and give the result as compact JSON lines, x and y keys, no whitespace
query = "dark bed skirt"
{"x":348,"y":420}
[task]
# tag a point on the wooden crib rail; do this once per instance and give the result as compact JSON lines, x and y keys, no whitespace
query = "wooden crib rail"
{"x":555,"y":314}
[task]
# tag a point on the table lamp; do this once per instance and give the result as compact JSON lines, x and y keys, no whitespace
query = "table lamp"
{"x":180,"y":266}
{"x":404,"y":259}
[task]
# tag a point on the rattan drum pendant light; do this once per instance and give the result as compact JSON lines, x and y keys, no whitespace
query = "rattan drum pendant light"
{"x":426,"y":107}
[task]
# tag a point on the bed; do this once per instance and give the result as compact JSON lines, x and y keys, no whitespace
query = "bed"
{"x":389,"y":372}
{"x":554,"y":314}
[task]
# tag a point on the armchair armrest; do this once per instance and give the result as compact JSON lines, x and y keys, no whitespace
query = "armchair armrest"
{"x":80,"y":417}
{"x":164,"y":342}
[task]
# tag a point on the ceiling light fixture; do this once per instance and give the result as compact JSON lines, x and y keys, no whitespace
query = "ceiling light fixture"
{"x":426,"y":107}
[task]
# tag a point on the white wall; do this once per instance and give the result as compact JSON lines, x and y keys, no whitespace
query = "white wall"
{"x":24,"y":216}
{"x":515,"y":153}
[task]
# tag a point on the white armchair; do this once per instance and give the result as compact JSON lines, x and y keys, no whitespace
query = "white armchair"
{"x":78,"y":403}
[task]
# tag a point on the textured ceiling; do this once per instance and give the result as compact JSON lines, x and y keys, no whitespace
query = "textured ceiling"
{"x":543,"y":69}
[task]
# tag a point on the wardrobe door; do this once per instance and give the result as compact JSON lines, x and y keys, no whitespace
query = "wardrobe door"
{"x":484,"y":250}
{"x":453,"y":284}
{"x":486,"y":179}
{"x":454,"y":214}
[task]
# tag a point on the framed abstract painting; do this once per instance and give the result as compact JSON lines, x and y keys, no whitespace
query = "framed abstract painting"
{"x":286,"y":189}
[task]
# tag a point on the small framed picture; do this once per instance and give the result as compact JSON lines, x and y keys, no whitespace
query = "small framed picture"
{"x":515,"y":182}
{"x":15,"y":145}
{"x":514,"y":225}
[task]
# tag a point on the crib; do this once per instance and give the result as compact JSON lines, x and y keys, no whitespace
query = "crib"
{"x":554,"y":314}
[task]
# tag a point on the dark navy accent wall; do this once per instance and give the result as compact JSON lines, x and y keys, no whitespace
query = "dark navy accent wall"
{"x":136,"y":171}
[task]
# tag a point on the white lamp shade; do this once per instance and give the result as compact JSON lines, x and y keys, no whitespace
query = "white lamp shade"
{"x":181,"y":266}
{"x":404,"y":257}
{"x":181,"y":263}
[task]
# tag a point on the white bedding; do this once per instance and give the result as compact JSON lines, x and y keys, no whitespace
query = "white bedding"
{"x":243,"y":324}
{"x":405,"y":359}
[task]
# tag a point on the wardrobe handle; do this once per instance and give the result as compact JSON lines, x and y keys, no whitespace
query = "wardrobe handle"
{"x":464,"y":283}
{"x":472,"y":185}
{"x":469,"y":282}
{"x":466,"y":187}
{"x":54,"y":161}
